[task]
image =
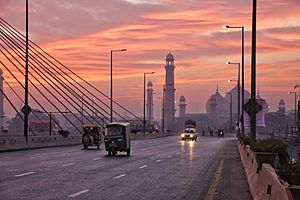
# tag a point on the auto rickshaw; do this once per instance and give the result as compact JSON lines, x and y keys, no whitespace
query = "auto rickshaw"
{"x":117,"y":138}
{"x":91,"y":136}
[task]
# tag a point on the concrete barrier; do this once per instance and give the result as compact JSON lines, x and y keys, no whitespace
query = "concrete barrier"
{"x":19,"y":143}
{"x":263,"y":183}
{"x":11,"y":143}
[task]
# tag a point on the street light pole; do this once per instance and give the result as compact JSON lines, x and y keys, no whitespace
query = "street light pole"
{"x":26,"y":106}
{"x":239,"y":90}
{"x":144,"y":104}
{"x":243,"y":73}
{"x":111,"y":81}
{"x":253,"y":75}
{"x":230,"y":129}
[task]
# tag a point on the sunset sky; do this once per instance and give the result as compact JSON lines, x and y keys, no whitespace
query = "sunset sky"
{"x":81,"y":33}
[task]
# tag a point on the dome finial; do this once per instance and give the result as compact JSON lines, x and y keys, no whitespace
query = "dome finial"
{"x":217,"y":87}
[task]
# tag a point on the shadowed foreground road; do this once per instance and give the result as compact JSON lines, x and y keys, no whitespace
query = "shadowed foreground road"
{"x":162,"y":168}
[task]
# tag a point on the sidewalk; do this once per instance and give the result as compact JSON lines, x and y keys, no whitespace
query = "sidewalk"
{"x":233,"y":183}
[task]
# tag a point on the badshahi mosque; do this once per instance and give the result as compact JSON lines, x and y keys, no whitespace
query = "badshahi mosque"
{"x":217,"y":113}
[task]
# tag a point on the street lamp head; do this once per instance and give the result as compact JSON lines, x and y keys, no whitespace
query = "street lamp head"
{"x":229,"y":80}
{"x":123,"y":49}
{"x":225,"y":26}
{"x":228,"y":63}
{"x":152,"y":72}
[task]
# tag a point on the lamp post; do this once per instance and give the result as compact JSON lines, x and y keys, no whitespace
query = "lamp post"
{"x":239,"y":98}
{"x":111,"y":81}
{"x":230,"y":119}
{"x":253,"y":75}
{"x":243,"y":72}
{"x":26,"y":109}
{"x":295,"y":120}
{"x":144,"y":117}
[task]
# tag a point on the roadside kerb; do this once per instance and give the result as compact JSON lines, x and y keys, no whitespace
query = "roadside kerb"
{"x":263,"y":183}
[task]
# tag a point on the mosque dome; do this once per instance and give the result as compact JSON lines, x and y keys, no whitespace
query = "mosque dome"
{"x":222,"y":106}
{"x":170,"y":57}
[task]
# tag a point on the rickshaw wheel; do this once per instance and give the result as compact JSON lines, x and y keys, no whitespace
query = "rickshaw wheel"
{"x":128,"y":152}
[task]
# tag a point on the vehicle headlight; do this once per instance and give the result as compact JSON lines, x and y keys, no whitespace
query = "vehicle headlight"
{"x":191,"y":135}
{"x":182,"y":135}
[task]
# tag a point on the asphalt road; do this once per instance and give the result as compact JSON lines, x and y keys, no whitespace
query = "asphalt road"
{"x":161,"y":168}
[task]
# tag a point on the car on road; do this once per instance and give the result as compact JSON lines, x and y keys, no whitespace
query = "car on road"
{"x":189,"y":134}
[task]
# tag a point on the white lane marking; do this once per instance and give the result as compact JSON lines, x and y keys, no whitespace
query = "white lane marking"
{"x":158,"y":160}
{"x":24,"y":174}
{"x":69,"y":164}
{"x":178,"y":153}
{"x":79,"y":193}
{"x":32,"y":157}
{"x":120,"y":176}
{"x":169,"y":156}
{"x":144,"y":166}
{"x":97,"y":158}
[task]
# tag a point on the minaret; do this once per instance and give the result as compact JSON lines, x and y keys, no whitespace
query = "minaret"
{"x":281,"y":107}
{"x":150,"y":102}
{"x":182,"y":106}
{"x":1,"y":100}
{"x":169,"y":94}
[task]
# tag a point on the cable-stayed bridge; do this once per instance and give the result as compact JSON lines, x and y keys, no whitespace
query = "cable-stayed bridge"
{"x":53,"y":87}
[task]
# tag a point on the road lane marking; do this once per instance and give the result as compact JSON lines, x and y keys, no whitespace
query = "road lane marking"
{"x":69,"y":164}
{"x":120,"y":176}
{"x":97,"y":158}
{"x":178,"y":153}
{"x":24,"y":174}
{"x":78,"y":193}
{"x":169,"y":156}
{"x":213,"y":187}
{"x":158,"y":160}
{"x":144,"y":166}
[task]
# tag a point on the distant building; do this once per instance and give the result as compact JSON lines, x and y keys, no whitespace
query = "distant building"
{"x":217,"y":111}
{"x":169,"y":95}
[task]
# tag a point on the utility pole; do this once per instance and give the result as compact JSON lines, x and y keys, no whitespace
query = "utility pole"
{"x":26,"y":109}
